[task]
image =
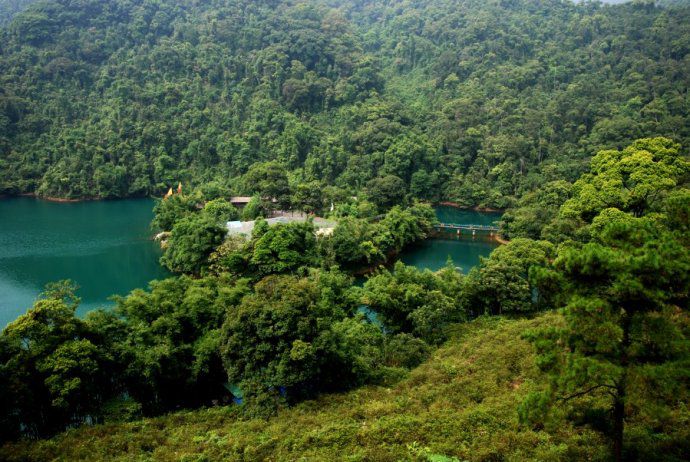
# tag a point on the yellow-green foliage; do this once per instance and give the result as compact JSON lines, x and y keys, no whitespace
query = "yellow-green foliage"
{"x":461,"y":403}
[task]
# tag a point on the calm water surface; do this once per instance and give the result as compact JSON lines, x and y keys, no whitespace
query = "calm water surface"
{"x":463,"y":250}
{"x":104,"y":246}
{"x":447,"y":214}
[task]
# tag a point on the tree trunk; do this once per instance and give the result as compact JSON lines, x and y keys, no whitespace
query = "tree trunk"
{"x":619,"y":400}
{"x":618,"y":423}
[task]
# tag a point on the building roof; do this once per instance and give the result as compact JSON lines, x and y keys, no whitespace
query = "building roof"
{"x":246,"y":227}
{"x":245,"y":200}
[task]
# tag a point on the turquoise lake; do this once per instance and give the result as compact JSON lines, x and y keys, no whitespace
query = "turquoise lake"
{"x":464,"y":249}
{"x":106,"y":248}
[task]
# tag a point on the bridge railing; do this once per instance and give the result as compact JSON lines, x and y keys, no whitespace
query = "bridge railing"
{"x":469,"y":227}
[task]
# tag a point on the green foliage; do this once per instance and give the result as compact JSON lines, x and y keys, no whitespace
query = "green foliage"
{"x":386,"y":191}
{"x":284,"y":248}
{"x":280,"y":342}
{"x":477,"y":104}
{"x":54,"y":370}
{"x":676,"y":211}
{"x":256,"y":208}
{"x":624,"y":349}
{"x":626,"y":336}
{"x":535,"y":210}
{"x":405,"y":350}
{"x":10,"y":8}
{"x":309,"y":197}
{"x":269,"y":181}
{"x":401,"y":227}
{"x":502,"y":283}
{"x":281,"y":248}
{"x":191,"y":242}
{"x":632,"y":180}
{"x":460,"y":403}
{"x":413,"y":301}
{"x":492,"y":103}
{"x":171,"y":340}
{"x":353,"y":242}
{"x":169,"y":211}
{"x":635,"y":179}
{"x":221,"y":211}
{"x":358,"y":242}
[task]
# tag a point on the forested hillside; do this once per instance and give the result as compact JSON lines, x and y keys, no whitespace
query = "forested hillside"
{"x":10,"y":8}
{"x":255,"y":326}
{"x":476,"y":102}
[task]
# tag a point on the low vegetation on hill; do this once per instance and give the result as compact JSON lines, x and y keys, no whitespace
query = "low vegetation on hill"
{"x":460,"y":404}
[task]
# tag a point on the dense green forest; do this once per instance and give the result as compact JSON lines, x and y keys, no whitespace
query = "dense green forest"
{"x":10,"y":8}
{"x":476,"y":102}
{"x":571,"y":341}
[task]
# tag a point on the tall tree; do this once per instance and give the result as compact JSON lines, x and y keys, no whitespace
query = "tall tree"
{"x":280,"y":341}
{"x":54,"y":371}
{"x":625,"y":344}
{"x":624,"y":290}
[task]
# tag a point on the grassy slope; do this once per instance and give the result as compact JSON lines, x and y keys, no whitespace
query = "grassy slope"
{"x":460,"y":403}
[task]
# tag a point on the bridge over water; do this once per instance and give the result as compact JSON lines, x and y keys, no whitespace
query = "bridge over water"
{"x":466,"y":227}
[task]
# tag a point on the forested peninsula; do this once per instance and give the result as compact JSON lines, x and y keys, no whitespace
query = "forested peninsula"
{"x":295,"y":148}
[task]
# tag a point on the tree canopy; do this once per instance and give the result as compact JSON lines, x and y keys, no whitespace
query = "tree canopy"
{"x":621,"y":280}
{"x":477,"y":102}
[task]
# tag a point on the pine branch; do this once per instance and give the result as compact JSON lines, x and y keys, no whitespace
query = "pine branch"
{"x":584,"y":392}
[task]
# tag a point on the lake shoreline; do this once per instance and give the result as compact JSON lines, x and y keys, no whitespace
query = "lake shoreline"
{"x":394,"y":256}
{"x":34,"y":195}
{"x":390,"y":260}
{"x":71,"y":200}
{"x":500,"y":240}
{"x":57,"y":199}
